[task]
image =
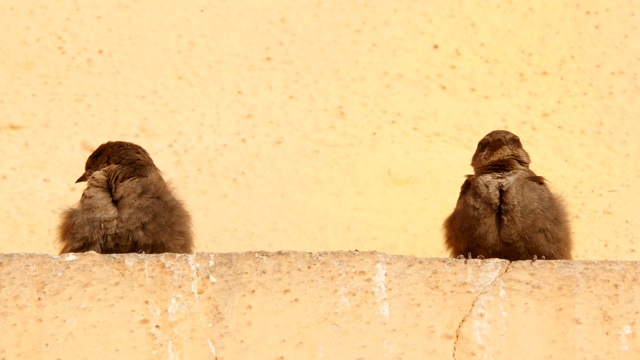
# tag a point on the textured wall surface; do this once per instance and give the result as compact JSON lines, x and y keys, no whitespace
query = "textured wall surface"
{"x":332,"y":125}
{"x":333,"y":305}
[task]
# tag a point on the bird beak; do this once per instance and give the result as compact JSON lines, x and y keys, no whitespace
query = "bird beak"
{"x":82,"y":178}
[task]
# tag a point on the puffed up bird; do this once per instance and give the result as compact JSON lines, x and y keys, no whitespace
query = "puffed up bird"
{"x":126,"y":207}
{"x":504,"y":209}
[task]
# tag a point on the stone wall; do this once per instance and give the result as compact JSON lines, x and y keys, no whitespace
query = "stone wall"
{"x":332,"y":305}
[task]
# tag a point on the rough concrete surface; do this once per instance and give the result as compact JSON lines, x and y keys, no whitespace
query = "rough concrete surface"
{"x":332,"y":305}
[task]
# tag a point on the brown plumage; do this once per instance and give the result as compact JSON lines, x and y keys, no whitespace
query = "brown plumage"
{"x":504,"y":209}
{"x":126,"y":207}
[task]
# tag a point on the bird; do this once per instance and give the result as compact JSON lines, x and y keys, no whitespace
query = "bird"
{"x":126,"y":207}
{"x":505,"y":210}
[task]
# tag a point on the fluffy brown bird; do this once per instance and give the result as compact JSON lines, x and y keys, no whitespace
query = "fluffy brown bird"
{"x":504,"y":209}
{"x":126,"y":207}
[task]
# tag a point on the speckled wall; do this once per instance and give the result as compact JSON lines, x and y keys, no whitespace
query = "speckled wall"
{"x":321,"y":126}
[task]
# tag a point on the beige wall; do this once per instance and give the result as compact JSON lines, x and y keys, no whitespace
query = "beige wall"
{"x":315,"y":306}
{"x":321,"y":126}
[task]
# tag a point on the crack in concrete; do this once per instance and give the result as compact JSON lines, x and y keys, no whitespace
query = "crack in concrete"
{"x":473,"y":305}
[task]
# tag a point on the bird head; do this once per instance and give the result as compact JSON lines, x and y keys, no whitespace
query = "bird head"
{"x":499,"y":146}
{"x":131,"y":158}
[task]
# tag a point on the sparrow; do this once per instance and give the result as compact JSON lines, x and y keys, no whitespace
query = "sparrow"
{"x":504,"y":209}
{"x":126,"y":207}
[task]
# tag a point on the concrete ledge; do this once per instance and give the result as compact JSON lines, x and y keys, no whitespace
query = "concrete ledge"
{"x":338,"y":305}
